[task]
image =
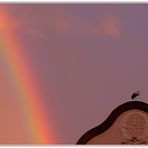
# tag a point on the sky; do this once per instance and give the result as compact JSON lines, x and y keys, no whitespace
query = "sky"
{"x":65,"y":67}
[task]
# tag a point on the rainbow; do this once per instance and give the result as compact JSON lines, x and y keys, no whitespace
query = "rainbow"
{"x":24,"y":82}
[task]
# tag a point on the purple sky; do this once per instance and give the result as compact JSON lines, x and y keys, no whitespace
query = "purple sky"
{"x":88,"y":59}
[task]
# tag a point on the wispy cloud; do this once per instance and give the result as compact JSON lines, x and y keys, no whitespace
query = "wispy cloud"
{"x":108,"y":26}
{"x":37,"y":24}
{"x":61,"y":23}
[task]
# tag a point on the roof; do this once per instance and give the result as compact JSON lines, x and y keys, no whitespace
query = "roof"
{"x":111,"y":119}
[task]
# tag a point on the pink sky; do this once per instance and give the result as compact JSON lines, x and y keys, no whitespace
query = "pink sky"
{"x":88,"y":60}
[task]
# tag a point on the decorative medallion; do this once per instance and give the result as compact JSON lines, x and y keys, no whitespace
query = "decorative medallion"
{"x":134,"y":127}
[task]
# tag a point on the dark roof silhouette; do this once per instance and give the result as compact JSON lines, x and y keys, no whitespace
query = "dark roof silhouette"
{"x":111,"y":119}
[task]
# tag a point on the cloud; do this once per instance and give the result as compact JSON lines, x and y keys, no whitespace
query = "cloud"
{"x":108,"y":26}
{"x":37,"y":23}
{"x":61,"y":23}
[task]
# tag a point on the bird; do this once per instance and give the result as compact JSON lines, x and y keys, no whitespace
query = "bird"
{"x":135,"y":94}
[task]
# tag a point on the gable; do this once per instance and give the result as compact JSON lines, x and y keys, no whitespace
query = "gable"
{"x":127,"y":124}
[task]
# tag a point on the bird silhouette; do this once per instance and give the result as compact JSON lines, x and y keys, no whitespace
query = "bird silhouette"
{"x":135,"y":94}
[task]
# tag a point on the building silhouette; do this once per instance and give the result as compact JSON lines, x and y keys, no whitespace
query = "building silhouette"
{"x":127,"y":124}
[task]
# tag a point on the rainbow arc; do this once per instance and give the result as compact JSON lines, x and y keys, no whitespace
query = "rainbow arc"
{"x":28,"y":95}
